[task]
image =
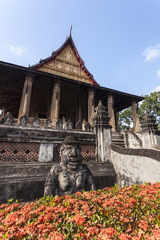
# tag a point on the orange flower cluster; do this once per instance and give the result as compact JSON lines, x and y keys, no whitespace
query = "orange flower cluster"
{"x":112,"y":213}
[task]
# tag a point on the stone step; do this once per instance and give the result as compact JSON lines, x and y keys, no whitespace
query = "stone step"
{"x":118,"y":139}
{"x":119,"y":144}
{"x":117,"y":135}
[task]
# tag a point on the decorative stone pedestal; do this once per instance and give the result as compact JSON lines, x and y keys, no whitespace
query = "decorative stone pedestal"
{"x":102,"y":131}
{"x":150,"y":133}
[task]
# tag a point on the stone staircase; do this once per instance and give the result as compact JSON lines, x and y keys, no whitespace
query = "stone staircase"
{"x":118,"y":139}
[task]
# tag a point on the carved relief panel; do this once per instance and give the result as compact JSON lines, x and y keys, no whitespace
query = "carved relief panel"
{"x":65,"y":64}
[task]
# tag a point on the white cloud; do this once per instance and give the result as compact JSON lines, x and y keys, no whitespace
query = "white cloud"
{"x":157,"y":89}
{"x":151,"y":52}
{"x":16,"y":50}
{"x":158,"y":73}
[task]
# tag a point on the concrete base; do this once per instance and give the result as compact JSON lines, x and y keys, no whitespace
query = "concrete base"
{"x":24,"y":191}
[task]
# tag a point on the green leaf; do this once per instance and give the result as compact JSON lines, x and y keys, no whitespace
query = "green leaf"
{"x":10,"y":200}
{"x":5,"y":235}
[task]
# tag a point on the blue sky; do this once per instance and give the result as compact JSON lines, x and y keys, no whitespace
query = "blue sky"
{"x":119,"y":40}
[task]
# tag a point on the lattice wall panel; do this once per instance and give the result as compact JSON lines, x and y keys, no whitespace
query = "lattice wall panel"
{"x":28,"y":152}
{"x":87,"y":151}
{"x":56,"y":152}
{"x":19,"y":152}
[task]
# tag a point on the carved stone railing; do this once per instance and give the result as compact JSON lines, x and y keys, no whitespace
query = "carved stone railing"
{"x":47,"y":123}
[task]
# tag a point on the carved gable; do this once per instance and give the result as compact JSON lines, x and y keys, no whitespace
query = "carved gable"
{"x":67,"y":54}
{"x":65,"y":64}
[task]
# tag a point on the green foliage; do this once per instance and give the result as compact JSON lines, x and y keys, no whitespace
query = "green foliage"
{"x":125,"y":118}
{"x":150,"y":104}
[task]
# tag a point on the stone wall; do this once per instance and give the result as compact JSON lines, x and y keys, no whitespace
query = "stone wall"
{"x":42,"y":135}
{"x":132,"y":140}
{"x":135,"y":166}
{"x":25,"y":181}
{"x":38,"y":152}
{"x":26,"y":155}
{"x":157,"y":140}
{"x":28,"y":144}
{"x":151,"y":140}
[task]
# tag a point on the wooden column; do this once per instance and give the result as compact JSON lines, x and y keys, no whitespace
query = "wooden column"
{"x":111,"y":111}
{"x":26,"y":97}
{"x":78,"y":110}
{"x":55,"y":103}
{"x":90,"y":104}
{"x":116,"y":119}
{"x":79,"y":107}
{"x":135,"y":116}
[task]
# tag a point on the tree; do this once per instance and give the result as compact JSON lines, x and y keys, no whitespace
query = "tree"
{"x":125,"y":118}
{"x":150,"y":104}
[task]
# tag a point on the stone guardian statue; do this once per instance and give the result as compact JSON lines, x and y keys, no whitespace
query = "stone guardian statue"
{"x":70,"y":176}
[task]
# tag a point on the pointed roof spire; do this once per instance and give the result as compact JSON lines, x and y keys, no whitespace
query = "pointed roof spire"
{"x":70,"y":31}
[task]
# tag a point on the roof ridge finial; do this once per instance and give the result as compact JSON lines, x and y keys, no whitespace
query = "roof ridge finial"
{"x":70,"y":31}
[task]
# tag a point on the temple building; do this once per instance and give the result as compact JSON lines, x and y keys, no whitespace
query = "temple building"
{"x":60,"y":87}
{"x":57,"y":98}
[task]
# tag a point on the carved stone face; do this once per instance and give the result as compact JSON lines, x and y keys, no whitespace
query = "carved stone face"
{"x":71,"y":156}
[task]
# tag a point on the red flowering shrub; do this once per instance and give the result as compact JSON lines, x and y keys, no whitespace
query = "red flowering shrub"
{"x":112,"y":213}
